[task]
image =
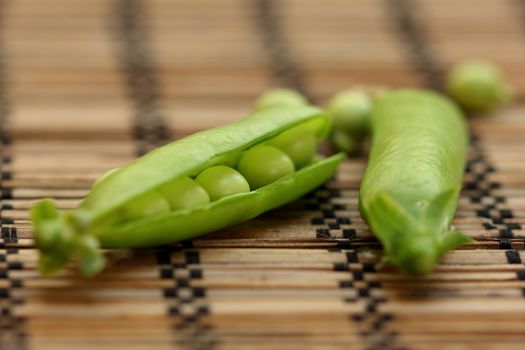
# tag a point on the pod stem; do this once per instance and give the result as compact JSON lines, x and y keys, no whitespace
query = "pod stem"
{"x":413,"y":245}
{"x":61,"y":238}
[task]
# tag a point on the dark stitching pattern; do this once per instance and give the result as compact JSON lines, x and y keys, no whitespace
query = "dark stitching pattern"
{"x":481,"y":190}
{"x":143,"y":87}
{"x":188,"y":302}
{"x":285,"y":69}
{"x":513,"y":256}
{"x":371,"y":319}
{"x":12,"y":335}
{"x":374,"y":321}
{"x":405,"y":17}
{"x":335,"y":226}
{"x":149,"y":132}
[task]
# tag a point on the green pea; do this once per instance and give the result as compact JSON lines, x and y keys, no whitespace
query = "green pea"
{"x":350,"y":111}
{"x":263,"y":165}
{"x":409,"y":192}
{"x":280,"y":97}
{"x":148,"y":204}
{"x":478,"y":86}
{"x":298,"y":143}
{"x":221,"y":181}
{"x":184,"y":193}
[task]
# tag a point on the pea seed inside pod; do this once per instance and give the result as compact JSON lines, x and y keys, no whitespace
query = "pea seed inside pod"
{"x":298,"y":143}
{"x":148,"y":204}
{"x":264,"y":164}
{"x":221,"y":181}
{"x":184,"y":193}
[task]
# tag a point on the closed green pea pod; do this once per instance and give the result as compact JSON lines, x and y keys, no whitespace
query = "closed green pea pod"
{"x":410,"y":189}
{"x":99,"y":219}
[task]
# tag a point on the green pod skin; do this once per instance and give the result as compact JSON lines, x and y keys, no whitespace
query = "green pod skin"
{"x":103,"y":176}
{"x":409,"y":192}
{"x":61,"y":237}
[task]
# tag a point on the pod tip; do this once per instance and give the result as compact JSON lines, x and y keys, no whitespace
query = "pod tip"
{"x":413,"y":245}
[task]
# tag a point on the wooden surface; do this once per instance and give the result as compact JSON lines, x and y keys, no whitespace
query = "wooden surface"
{"x":86,"y":86}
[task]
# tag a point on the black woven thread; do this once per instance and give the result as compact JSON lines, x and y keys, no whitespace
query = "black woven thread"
{"x":520,"y":5}
{"x":11,"y":326}
{"x":520,"y":12}
{"x":284,"y":68}
{"x":337,"y":226}
{"x":420,"y":55}
{"x":490,"y":206}
{"x":150,"y":131}
{"x":480,"y":186}
{"x":188,"y":302}
{"x":332,"y":225}
{"x":143,"y":87}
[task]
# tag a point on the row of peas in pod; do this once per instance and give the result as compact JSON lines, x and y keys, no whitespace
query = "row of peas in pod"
{"x":255,"y":167}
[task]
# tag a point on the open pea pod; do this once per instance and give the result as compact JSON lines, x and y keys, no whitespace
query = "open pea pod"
{"x":97,"y":222}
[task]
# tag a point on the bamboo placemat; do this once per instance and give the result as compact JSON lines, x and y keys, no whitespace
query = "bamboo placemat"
{"x":86,"y":86}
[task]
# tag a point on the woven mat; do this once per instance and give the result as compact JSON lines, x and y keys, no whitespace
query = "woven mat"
{"x":86,"y":86}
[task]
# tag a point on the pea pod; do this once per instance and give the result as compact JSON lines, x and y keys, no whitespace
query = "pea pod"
{"x":410,"y":189}
{"x":108,"y":217}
